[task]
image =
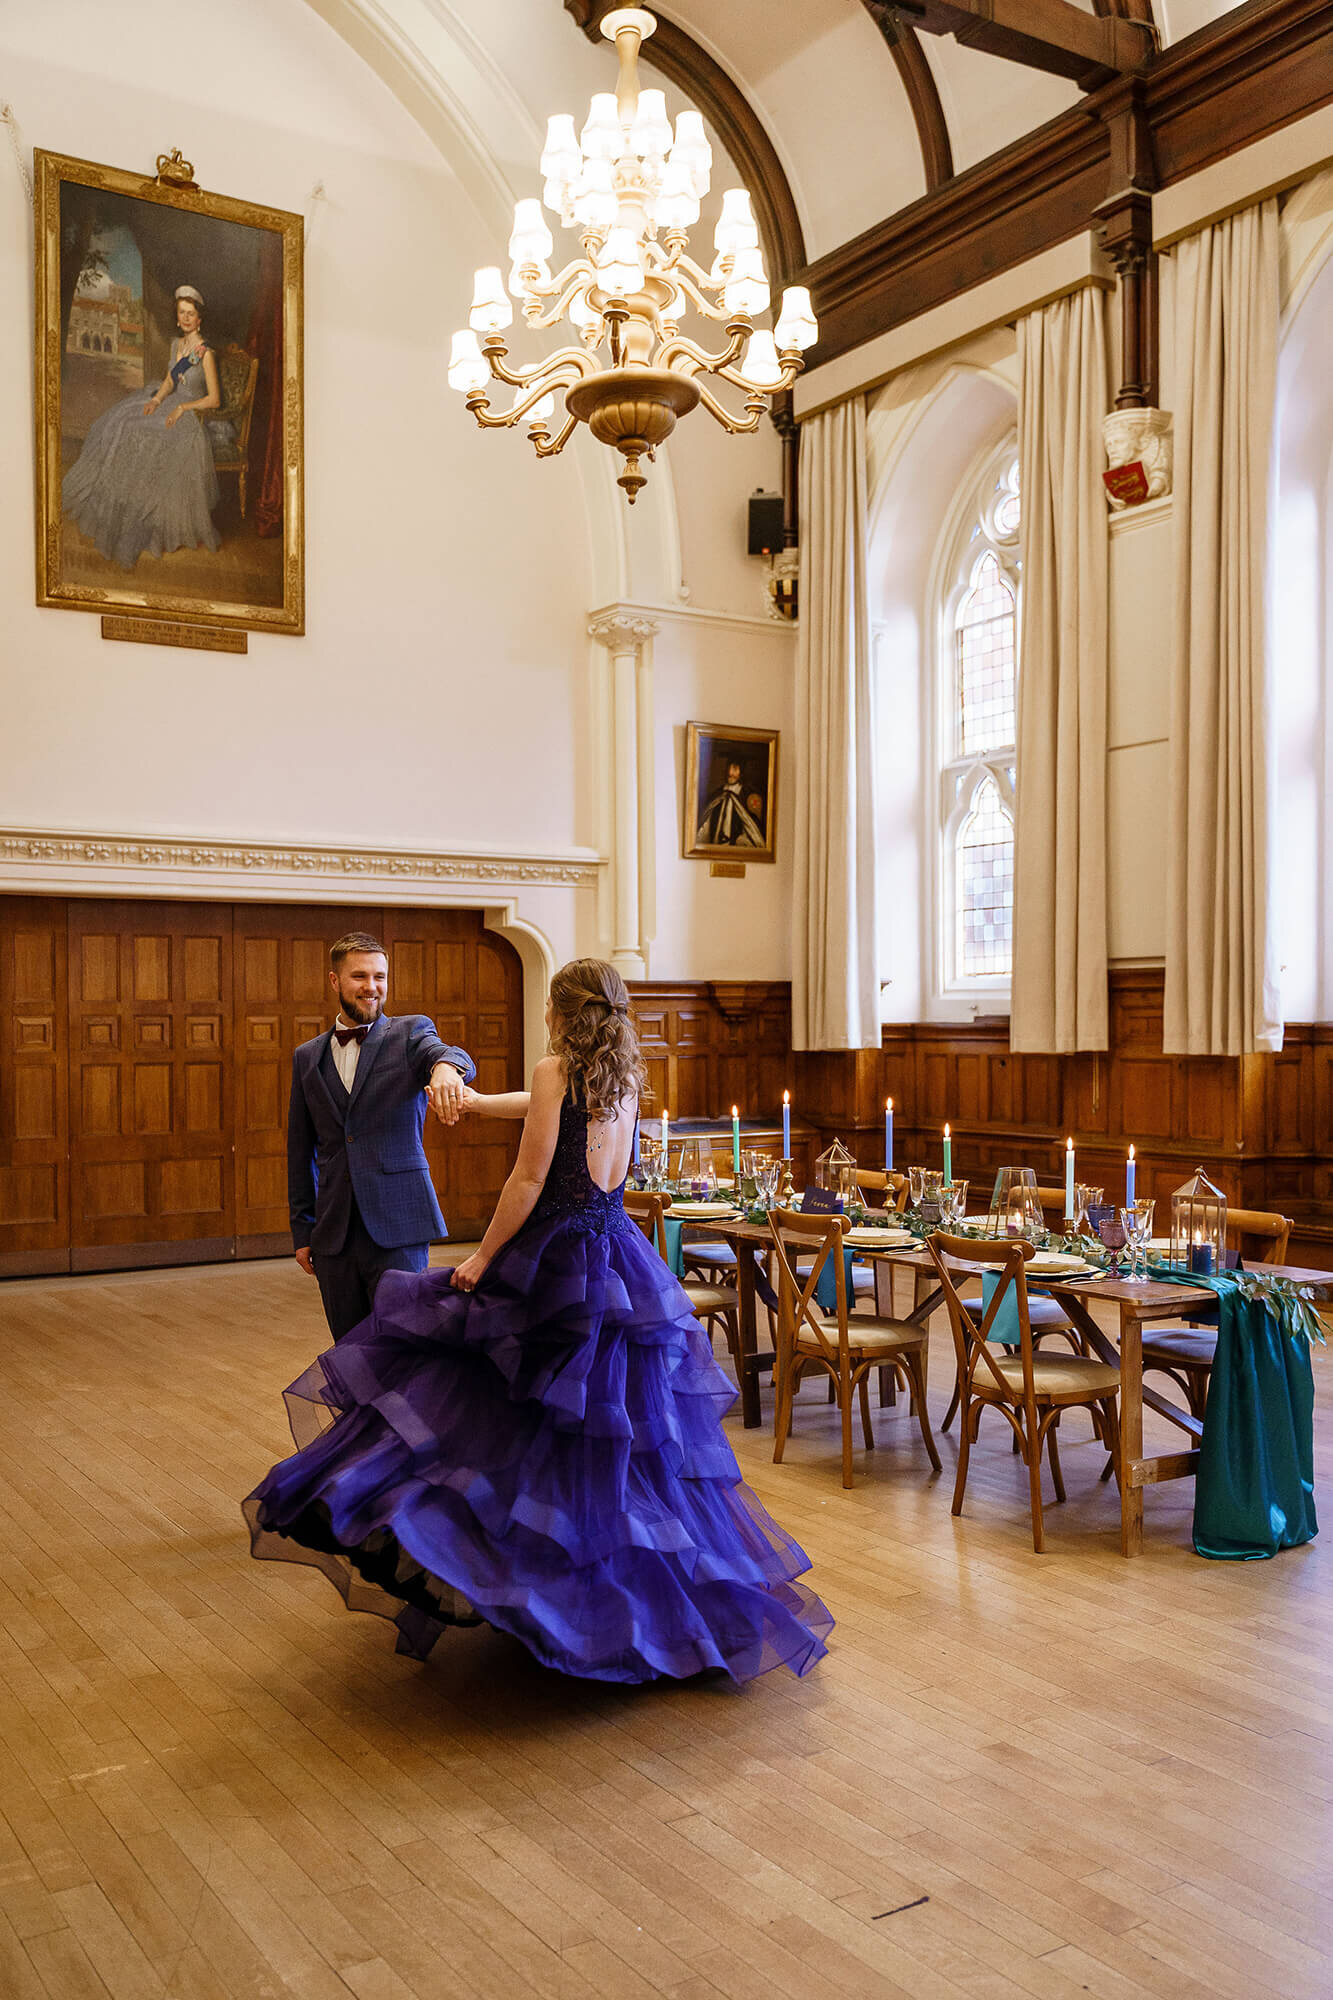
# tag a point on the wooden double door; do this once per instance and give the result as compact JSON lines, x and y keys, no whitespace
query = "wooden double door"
{"x":144,"y":1085}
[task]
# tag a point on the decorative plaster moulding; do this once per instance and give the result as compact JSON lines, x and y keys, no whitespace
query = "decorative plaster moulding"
{"x":688,"y":614}
{"x":84,"y":862}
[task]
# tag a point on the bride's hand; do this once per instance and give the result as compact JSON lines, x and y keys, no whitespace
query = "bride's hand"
{"x":468,"y":1275}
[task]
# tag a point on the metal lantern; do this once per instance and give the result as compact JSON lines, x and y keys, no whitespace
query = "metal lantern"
{"x":1199,"y":1226}
{"x":836,"y":1170}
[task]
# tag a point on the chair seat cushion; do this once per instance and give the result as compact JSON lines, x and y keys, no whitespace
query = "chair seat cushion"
{"x":709,"y":1298}
{"x":1197,"y":1350}
{"x":1052,"y":1374}
{"x":718,"y":1254}
{"x":1045,"y":1315}
{"x":866,"y":1335}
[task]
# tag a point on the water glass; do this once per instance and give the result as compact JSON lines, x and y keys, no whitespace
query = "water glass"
{"x":1136,"y":1221}
{"x":1085,"y":1197}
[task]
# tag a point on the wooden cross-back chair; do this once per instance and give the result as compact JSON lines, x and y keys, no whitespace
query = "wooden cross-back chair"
{"x":846,"y":1348}
{"x":892,"y":1186}
{"x":1261,"y":1237}
{"x":712,"y":1305}
{"x":1032,"y":1389}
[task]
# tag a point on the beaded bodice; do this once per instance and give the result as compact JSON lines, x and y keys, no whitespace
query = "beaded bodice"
{"x":570,"y":1190}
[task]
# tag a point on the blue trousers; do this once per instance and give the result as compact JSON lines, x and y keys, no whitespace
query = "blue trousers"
{"x":348,"y":1277}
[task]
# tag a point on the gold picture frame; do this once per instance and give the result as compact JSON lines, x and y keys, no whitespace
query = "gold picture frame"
{"x":115,"y":253}
{"x":731,"y":793}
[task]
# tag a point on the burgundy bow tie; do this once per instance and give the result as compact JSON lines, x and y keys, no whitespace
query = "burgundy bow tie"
{"x":345,"y":1035}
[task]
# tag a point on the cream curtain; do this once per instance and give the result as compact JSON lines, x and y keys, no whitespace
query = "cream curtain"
{"x":1058,"y":994}
{"x":835,"y":966}
{"x":1221,"y":994}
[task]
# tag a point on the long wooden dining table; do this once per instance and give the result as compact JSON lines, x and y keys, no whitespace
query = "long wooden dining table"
{"x":1138,"y":1303}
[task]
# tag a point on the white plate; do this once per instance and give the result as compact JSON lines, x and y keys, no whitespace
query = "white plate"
{"x":1057,"y":1263}
{"x":701,"y":1211}
{"x":878,"y":1239}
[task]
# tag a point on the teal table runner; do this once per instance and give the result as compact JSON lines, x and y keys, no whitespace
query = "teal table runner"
{"x":1254,"y":1492}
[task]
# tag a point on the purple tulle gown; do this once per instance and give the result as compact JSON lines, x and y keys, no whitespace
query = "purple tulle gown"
{"x":544,"y":1454}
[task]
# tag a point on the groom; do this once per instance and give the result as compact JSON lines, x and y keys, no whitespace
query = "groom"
{"x":360,"y":1191}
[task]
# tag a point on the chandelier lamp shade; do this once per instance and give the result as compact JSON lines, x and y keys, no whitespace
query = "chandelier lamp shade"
{"x":630,"y":188}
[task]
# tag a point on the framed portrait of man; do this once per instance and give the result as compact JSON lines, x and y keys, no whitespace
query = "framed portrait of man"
{"x":731,"y":793}
{"x":168,"y":398}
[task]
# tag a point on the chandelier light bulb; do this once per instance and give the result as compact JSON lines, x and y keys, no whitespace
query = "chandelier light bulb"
{"x":491,"y":311}
{"x":677,"y":204}
{"x":602,"y":137}
{"x":797,"y":326}
{"x":693,"y":151}
{"x":746,"y":290}
{"x":468,"y":367}
{"x":759,"y":363}
{"x":561,"y":158}
{"x":650,"y":134}
{"x":596,"y":204}
{"x":619,"y":265}
{"x":531,"y":241}
{"x":736,"y":229}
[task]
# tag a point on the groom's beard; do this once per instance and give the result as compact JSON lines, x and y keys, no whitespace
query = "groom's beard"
{"x":359,"y":1013}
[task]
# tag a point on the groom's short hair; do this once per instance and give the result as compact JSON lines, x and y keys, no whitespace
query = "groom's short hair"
{"x":353,"y":941}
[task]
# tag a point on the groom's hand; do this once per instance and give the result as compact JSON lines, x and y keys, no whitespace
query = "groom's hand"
{"x":445,"y":1091}
{"x":305,"y":1260}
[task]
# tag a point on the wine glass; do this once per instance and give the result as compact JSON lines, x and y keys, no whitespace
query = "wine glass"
{"x":953,"y":1202}
{"x":1085,"y":1197}
{"x":914,"y":1179}
{"x":1112,"y":1233}
{"x":1136,"y":1221}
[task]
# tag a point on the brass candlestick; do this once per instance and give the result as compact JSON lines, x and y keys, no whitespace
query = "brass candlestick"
{"x":787,"y":1189}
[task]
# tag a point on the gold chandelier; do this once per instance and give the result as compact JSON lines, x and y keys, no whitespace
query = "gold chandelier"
{"x":631,"y":190}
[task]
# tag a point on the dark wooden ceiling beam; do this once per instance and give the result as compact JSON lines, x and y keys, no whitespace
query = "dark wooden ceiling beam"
{"x":1050,"y":35}
{"x":679,"y":58}
{"x":932,"y":129}
{"x":1263,"y":65}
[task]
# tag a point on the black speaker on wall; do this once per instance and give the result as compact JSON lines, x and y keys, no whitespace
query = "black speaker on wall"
{"x":765,"y":523}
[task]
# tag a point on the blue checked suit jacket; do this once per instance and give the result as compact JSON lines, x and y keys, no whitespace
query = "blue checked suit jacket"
{"x":365,"y":1147}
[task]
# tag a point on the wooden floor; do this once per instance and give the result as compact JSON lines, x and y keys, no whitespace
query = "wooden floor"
{"x":1014,"y":1775}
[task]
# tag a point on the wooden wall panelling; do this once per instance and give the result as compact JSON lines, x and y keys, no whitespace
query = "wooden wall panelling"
{"x":446,"y":964}
{"x":34,"y":1087}
{"x":150,"y":1015}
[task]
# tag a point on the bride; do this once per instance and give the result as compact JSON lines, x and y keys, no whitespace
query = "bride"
{"x":534,"y":1439}
{"x":144,"y":481}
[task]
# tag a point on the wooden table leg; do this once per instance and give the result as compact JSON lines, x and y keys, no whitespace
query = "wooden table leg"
{"x":747,"y":1339}
{"x":1131,"y":1430}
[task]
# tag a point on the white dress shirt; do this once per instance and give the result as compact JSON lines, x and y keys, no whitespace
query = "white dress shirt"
{"x":346,"y":1055}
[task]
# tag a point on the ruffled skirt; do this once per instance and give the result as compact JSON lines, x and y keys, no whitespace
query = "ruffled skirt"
{"x":545,"y":1454}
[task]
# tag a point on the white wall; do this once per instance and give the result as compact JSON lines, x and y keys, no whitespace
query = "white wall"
{"x":441,"y":697}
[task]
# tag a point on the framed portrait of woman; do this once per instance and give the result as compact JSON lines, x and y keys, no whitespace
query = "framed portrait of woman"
{"x":731,"y":793}
{"x":169,"y":395}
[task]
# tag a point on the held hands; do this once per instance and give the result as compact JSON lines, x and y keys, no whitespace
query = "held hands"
{"x":447,"y":1093}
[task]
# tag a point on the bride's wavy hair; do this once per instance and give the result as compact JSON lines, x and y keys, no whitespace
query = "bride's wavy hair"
{"x":593,"y":1035}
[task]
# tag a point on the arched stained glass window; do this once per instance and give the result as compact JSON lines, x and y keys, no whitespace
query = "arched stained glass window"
{"x":984,"y":900}
{"x":979,"y":664}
